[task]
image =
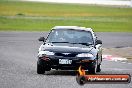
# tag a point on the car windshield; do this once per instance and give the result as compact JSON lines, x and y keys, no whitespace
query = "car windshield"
{"x":70,"y":36}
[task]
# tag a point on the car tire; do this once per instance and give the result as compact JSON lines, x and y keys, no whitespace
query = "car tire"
{"x":99,"y":68}
{"x":40,"y":69}
{"x":93,"y":68}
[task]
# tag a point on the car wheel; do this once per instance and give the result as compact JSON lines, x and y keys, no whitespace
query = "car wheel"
{"x":93,"y":68}
{"x":40,"y":69}
{"x":99,"y":68}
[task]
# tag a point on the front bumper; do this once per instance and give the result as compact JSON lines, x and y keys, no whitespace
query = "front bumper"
{"x":53,"y":62}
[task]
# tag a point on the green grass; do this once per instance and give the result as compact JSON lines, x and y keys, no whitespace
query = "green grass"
{"x":30,"y":16}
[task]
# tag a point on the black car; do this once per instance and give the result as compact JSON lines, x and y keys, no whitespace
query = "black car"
{"x":67,"y":48}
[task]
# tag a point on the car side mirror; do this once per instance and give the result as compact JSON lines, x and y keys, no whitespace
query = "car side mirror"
{"x":98,"y":42}
{"x":41,"y":39}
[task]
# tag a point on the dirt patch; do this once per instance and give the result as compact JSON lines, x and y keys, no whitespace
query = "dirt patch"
{"x":125,"y":52}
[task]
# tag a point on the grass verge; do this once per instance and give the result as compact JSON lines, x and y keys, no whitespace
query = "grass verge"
{"x":31,"y":16}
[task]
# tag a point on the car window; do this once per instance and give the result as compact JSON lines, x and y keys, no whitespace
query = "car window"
{"x":70,"y":35}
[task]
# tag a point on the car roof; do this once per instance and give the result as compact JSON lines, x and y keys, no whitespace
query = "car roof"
{"x":73,"y":27}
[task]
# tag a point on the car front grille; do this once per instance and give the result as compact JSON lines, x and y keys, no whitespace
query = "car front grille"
{"x":65,"y":54}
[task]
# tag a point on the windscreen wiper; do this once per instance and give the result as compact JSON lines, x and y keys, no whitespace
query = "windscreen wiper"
{"x":87,"y":44}
{"x":59,"y":42}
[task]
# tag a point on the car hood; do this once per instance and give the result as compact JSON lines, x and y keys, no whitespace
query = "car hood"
{"x":66,"y":49}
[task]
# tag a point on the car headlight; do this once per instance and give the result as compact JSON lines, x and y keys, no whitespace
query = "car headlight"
{"x":41,"y":48}
{"x":41,"y":53}
{"x":85,"y":55}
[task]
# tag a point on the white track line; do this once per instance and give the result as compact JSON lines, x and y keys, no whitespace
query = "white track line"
{"x":100,"y":2}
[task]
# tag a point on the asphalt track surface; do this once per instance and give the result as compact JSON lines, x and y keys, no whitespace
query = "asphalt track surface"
{"x":18,"y":57}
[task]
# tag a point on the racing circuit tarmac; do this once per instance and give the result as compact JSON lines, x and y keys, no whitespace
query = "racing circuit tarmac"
{"x":18,"y":57}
